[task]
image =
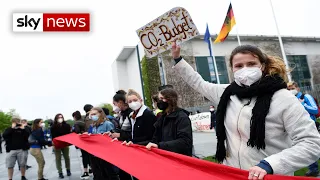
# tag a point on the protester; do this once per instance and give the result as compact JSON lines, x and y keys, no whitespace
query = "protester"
{"x":264,"y":127}
{"x":101,"y":169}
{"x":156,"y":110}
{"x":35,"y":148}
{"x":60,"y":128}
{"x":173,"y":131}
{"x":124,"y":132}
{"x":79,"y":128}
{"x":119,"y":101}
{"x":142,"y":120}
{"x":17,"y":146}
{"x":44,"y":146}
{"x":112,"y":119}
{"x":212,"y":117}
{"x":88,"y":122}
{"x":311,"y":106}
{"x":27,"y":126}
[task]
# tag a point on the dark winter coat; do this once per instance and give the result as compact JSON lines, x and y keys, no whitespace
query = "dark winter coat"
{"x":173,"y":132}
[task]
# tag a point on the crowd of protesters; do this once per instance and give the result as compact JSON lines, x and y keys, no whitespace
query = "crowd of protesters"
{"x":263,"y":124}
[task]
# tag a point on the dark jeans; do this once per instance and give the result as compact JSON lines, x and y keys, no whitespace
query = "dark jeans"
{"x":85,"y":158}
{"x":124,"y":175}
{"x":103,"y":170}
{"x":314,"y":167}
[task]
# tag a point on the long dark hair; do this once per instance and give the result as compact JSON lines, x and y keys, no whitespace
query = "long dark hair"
{"x":172,"y":98}
{"x":55,"y":121}
{"x":35,"y":124}
{"x":120,"y":97}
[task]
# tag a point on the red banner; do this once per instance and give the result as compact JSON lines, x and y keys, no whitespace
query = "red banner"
{"x":156,"y":164}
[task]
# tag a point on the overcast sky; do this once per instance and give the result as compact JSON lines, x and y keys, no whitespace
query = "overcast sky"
{"x":48,"y":73}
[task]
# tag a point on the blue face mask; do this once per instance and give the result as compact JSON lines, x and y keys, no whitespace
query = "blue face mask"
{"x":94,"y":118}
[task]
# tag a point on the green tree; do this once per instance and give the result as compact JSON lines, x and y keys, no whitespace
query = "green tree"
{"x":108,"y":106}
{"x":5,"y":120}
{"x":150,"y":78}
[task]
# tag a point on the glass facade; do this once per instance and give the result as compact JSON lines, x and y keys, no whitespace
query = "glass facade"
{"x":205,"y":67}
{"x":300,"y":69}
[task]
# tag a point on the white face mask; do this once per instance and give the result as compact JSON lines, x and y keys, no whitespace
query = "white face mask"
{"x":294,"y":92}
{"x":42,"y":125}
{"x":211,"y":109}
{"x":115,"y":115}
{"x":247,"y":76}
{"x":153,"y":106}
{"x":116,"y":109}
{"x":60,"y":120}
{"x":135,"y":105}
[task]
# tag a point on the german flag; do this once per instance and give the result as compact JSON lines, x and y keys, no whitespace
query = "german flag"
{"x":229,"y":22}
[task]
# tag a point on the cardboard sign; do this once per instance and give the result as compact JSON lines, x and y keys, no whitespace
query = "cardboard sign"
{"x":174,"y":25}
{"x":201,"y":122}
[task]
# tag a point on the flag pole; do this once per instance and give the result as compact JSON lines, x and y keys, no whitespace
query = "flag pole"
{"x":238,"y":37}
{"x":214,"y":61}
{"x":239,"y":42}
{"x":281,"y":43}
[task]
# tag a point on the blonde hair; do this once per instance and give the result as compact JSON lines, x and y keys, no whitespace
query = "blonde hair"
{"x":273,"y":65}
{"x":102,"y":116}
{"x":133,"y":92}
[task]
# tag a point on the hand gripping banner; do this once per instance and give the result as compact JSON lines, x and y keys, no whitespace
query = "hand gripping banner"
{"x":156,"y":164}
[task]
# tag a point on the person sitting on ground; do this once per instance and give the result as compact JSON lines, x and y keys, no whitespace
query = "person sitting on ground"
{"x":17,"y":146}
{"x":261,"y":127}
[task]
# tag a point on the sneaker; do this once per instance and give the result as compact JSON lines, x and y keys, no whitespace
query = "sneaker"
{"x":90,"y":171}
{"x":68,"y":173}
{"x":61,"y":176}
{"x":85,"y":176}
{"x":23,"y":178}
{"x":312,"y":173}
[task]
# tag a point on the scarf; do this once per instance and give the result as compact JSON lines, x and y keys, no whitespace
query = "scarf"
{"x":263,"y":90}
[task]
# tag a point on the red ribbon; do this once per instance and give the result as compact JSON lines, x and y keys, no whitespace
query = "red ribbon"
{"x":156,"y":164}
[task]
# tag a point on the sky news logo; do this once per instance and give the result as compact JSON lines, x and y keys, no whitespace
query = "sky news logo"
{"x":51,"y":22}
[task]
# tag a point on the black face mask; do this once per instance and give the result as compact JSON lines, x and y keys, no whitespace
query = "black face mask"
{"x":162,"y":105}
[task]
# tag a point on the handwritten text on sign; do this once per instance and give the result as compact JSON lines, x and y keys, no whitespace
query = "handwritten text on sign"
{"x":201,"y":122}
{"x":175,"y":25}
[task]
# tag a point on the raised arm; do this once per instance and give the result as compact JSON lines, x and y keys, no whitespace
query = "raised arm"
{"x":194,"y":79}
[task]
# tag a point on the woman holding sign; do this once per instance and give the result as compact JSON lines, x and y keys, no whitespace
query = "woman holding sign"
{"x":261,"y":127}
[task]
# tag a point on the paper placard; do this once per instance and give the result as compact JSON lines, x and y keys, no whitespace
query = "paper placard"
{"x":201,"y":122}
{"x":158,"y":35}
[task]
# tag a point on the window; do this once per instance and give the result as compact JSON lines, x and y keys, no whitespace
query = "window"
{"x":205,"y":67}
{"x":300,"y":73}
